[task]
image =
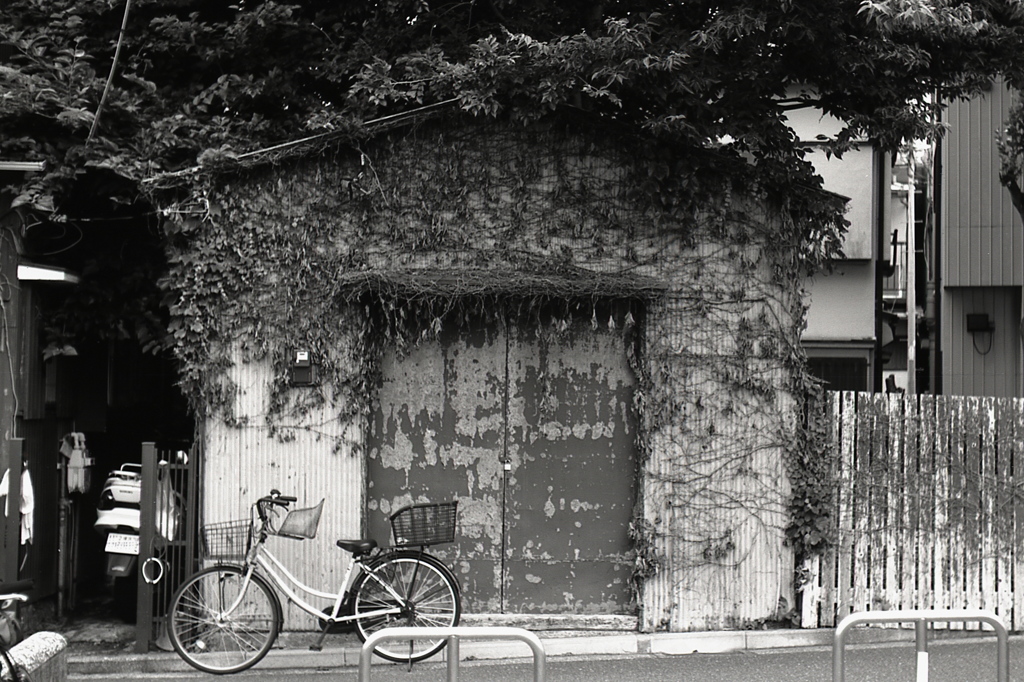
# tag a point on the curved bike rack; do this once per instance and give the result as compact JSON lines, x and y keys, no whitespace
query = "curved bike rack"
{"x":921,"y":618}
{"x":454,"y":635}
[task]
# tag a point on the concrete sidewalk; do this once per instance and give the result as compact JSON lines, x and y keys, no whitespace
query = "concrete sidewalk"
{"x":89,"y":655}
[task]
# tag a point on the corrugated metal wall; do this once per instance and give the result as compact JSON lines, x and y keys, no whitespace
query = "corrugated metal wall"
{"x":714,"y":412}
{"x":307,"y":465}
{"x":715,"y":490}
{"x":982,"y":363}
{"x":981,"y":235}
{"x":982,"y":253}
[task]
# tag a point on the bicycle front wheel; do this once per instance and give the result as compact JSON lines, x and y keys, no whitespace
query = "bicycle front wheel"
{"x":221,"y":622}
{"x":420,"y":590}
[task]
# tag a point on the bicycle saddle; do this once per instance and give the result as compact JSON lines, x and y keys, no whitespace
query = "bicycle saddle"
{"x":358,"y":547}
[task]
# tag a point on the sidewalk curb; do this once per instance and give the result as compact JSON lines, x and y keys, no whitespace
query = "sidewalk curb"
{"x":294,"y":656}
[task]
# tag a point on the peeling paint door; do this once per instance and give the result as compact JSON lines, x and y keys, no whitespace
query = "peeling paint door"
{"x":533,"y":432}
{"x":438,"y":434}
{"x":571,"y":488}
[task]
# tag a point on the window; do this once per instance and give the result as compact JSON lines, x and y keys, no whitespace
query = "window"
{"x":841,"y":374}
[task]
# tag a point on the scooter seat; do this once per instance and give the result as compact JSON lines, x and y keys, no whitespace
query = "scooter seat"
{"x":358,"y":547}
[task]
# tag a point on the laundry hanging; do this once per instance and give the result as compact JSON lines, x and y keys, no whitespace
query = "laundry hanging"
{"x":27,"y":507}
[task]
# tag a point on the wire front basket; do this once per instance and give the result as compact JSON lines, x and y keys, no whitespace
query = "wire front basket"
{"x":419,"y":525}
{"x":227,"y":540}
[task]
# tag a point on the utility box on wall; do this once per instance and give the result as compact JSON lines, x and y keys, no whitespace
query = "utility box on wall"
{"x":979,"y":322}
{"x":303,"y":369}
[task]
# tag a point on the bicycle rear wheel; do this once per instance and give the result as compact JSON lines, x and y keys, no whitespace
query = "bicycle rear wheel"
{"x":428,"y":596}
{"x":210,"y":637}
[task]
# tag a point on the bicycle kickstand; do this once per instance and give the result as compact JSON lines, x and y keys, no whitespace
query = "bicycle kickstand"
{"x":319,"y":644}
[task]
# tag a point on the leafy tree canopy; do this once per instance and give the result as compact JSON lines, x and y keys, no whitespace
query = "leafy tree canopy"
{"x":113,"y":93}
{"x":199,"y":75}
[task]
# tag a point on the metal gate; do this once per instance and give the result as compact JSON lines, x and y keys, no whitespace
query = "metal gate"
{"x":167,"y":537}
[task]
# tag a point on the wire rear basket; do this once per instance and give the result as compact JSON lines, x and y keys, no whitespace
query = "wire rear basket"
{"x":419,"y":525}
{"x":227,"y":540}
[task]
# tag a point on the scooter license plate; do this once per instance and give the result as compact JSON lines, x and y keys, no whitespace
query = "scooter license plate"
{"x":122,"y":543}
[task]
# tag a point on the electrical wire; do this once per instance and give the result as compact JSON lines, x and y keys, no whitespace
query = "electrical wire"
{"x":110,"y":77}
{"x":974,"y":342}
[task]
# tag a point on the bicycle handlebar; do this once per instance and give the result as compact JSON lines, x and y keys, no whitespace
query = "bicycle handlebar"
{"x":274,"y":498}
{"x":279,"y":498}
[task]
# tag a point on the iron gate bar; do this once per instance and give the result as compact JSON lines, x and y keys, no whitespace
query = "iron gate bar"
{"x":454,"y":635}
{"x":921,"y":618}
{"x":176,"y":555}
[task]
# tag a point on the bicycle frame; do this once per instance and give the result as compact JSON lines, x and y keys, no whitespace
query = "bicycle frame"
{"x":260,"y":557}
{"x":225,"y":618}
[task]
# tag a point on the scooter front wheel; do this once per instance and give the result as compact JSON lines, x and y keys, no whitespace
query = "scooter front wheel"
{"x":220,"y":622}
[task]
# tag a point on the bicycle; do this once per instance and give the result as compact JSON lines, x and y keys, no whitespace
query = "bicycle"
{"x":225,"y":618}
{"x":10,"y":626}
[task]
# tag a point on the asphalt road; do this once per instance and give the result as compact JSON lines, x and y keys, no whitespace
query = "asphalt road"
{"x":950,"y":661}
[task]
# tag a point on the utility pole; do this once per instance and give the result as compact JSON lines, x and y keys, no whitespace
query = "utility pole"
{"x":911,"y":275}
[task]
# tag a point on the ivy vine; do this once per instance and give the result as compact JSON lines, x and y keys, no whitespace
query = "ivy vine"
{"x":368,"y":247}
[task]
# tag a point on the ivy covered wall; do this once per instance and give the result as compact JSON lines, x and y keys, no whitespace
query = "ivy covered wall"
{"x":352,"y":251}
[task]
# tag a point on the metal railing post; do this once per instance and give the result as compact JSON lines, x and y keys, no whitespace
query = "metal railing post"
{"x":453,"y":635}
{"x":921,"y":618}
{"x":921,"y":644}
{"x":453,"y":658}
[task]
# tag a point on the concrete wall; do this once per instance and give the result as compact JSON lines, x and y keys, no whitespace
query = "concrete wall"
{"x":43,"y":656}
{"x":842,"y":304}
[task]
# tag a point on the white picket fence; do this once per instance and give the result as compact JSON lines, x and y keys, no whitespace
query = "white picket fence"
{"x":929,"y":505}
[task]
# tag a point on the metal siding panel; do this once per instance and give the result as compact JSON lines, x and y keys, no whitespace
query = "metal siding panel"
{"x":981,"y":207}
{"x":984,"y":262}
{"x":1002,"y":255}
{"x":948,"y":204}
{"x":960,"y":254}
{"x":242,"y":463}
{"x":972,"y":380}
{"x":952,"y":348}
{"x":1006,"y":363}
{"x":982,"y":364}
{"x":980,"y":230}
{"x":965,"y":176}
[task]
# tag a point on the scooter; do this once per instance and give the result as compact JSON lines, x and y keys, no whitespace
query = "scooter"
{"x":118,"y":518}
